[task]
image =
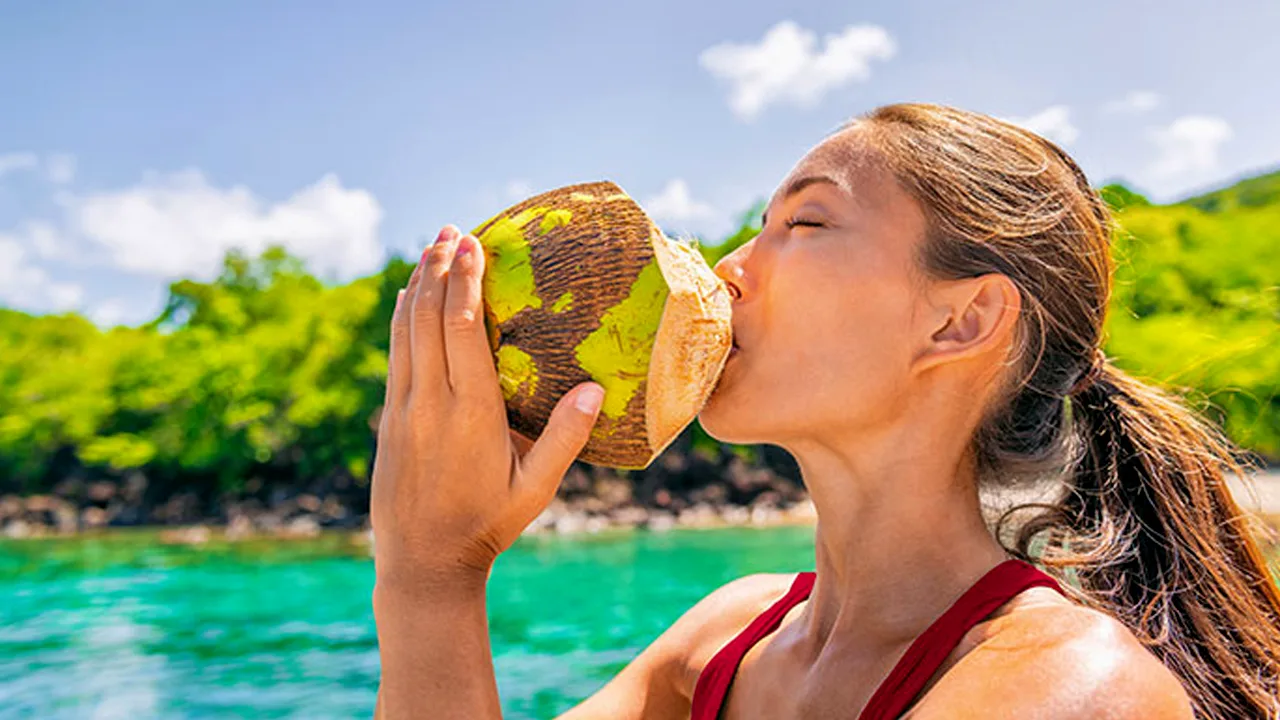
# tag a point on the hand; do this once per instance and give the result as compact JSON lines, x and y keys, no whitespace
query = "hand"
{"x":453,"y":484}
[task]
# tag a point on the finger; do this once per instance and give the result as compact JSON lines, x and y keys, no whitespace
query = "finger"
{"x":471,"y":368}
{"x":426,"y":307}
{"x":403,"y":355}
{"x":520,"y":442}
{"x":398,"y":355}
{"x":567,"y":432}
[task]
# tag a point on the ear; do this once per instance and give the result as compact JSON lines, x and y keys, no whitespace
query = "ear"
{"x":971,"y":317}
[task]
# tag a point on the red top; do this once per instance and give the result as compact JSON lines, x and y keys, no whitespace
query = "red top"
{"x":908,"y":677}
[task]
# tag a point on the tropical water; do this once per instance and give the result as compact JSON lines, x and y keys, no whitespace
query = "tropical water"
{"x":126,"y":626}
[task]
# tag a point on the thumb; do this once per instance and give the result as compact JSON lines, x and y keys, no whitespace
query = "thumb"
{"x":566,"y":433}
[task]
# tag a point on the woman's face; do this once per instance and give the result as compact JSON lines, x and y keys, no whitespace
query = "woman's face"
{"x":828,"y":316}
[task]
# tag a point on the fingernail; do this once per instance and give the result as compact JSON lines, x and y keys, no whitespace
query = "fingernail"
{"x":446,"y":233}
{"x":588,"y":400}
{"x":399,"y":297}
{"x":465,"y":245}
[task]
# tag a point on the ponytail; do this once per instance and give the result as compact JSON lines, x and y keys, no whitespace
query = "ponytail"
{"x":1148,"y":533}
{"x":1151,"y":535}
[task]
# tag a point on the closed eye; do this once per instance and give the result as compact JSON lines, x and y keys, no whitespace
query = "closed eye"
{"x":796,"y":222}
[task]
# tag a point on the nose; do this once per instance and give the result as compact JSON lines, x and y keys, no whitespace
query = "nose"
{"x":729,"y":269}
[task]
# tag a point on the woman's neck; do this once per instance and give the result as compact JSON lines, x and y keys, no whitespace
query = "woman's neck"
{"x":897,"y":542}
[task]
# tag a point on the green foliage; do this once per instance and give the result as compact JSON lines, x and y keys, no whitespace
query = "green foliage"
{"x":263,"y":372}
{"x":1196,"y":306}
{"x":1254,"y":192}
{"x":1120,"y":197}
{"x":267,"y":373}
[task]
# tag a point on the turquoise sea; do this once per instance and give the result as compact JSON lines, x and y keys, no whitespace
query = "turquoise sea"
{"x":126,"y":626}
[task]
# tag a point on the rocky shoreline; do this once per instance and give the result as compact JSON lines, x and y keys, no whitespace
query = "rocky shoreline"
{"x":679,"y":491}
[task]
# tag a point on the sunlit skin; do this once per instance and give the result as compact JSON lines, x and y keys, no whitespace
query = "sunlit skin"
{"x":872,"y":375}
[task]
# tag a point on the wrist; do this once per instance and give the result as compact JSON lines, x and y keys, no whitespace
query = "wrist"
{"x":454,"y":586}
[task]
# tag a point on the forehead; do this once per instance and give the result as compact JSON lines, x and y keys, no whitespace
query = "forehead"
{"x":853,"y":164}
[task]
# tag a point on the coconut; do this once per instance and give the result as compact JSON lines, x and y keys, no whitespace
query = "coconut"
{"x":580,"y":285}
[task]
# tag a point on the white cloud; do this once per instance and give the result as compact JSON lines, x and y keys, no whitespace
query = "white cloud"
{"x":12,"y":162}
{"x":108,"y":313}
{"x":61,"y":168}
{"x":1187,"y":151}
{"x":24,"y":285}
{"x":45,"y":240}
{"x":788,"y":66}
{"x":675,"y":205}
{"x":180,"y":225}
{"x":1137,"y":101}
{"x":1053,"y":123}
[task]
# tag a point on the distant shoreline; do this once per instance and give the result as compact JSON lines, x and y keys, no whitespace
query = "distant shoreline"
{"x":550,"y":523}
{"x":46,"y":516}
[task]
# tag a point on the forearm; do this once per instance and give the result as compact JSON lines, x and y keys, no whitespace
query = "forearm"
{"x":436,"y":660}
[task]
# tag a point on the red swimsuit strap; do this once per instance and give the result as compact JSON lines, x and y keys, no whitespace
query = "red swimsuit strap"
{"x":713,"y":682}
{"x":925,"y":655}
{"x":923,"y":658}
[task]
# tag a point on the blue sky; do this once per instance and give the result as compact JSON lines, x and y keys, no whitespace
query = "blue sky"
{"x":140,"y":140}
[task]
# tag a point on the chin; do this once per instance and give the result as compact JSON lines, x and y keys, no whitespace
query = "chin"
{"x":726,"y":424}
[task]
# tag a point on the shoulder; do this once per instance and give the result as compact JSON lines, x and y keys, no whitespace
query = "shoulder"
{"x":707,"y":626}
{"x":1066,"y":662}
{"x":660,"y":681}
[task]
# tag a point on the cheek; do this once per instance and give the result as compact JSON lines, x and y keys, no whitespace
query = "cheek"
{"x":850,"y":332}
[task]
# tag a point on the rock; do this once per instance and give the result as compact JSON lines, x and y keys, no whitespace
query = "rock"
{"x":612,"y":491}
{"x":764,"y":515}
{"x":767,"y":499}
{"x":194,"y":535}
{"x":10,"y":506}
{"x":181,"y":508}
{"x":576,"y":481}
{"x":803,"y":511}
{"x":239,"y":528}
{"x":72,"y":488}
{"x":302,"y":526}
{"x":333,"y":508}
{"x":673,"y":462}
{"x":595,"y":524}
{"x":700,"y":515}
{"x":629,"y":516}
{"x":39,"y":503}
{"x":735,"y":515}
{"x":310,"y":503}
{"x":571,"y":523}
{"x":66,"y":518}
{"x":101,"y":491}
{"x":17,"y":529}
{"x":135,"y":486}
{"x":712,"y":494}
{"x":660,"y":521}
{"x":93,"y":517}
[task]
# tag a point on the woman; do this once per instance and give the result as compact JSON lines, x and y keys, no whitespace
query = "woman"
{"x":921,"y":314}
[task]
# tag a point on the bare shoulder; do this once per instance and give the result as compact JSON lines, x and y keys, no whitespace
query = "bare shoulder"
{"x":659,"y":683}
{"x":721,"y":615}
{"x":1055,"y":659}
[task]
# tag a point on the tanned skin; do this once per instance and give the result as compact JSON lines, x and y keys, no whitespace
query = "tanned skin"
{"x":875,"y":379}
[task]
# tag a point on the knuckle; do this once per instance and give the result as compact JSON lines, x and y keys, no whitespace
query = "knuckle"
{"x":427,"y":309}
{"x":461,"y":318}
{"x":399,"y":334}
{"x":423,"y":412}
{"x":441,"y":256}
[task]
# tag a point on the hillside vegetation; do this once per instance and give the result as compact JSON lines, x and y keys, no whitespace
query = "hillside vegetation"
{"x":267,"y":378}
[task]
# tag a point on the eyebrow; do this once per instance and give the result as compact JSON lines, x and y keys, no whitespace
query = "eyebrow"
{"x":799,"y":184}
